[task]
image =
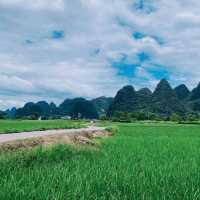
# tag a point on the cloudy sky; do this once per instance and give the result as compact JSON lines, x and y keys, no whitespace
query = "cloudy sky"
{"x":56,"y":49}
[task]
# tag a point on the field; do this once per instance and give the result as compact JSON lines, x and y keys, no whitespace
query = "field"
{"x":141,"y":161}
{"x":13,"y":126}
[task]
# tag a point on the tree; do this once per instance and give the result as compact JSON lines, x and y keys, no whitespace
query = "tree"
{"x":2,"y":115}
{"x":175,"y":118}
{"x":192,"y":117}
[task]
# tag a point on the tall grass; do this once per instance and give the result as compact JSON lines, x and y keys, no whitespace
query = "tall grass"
{"x":152,"y":162}
{"x":12,"y":126}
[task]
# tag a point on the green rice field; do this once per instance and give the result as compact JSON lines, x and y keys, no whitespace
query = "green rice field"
{"x":13,"y":126}
{"x":140,"y":162}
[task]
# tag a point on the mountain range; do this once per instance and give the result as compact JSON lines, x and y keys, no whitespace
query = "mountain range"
{"x":164,"y":101}
{"x":74,"y":108}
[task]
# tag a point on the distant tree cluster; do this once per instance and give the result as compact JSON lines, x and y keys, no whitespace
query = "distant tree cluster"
{"x":148,"y":116}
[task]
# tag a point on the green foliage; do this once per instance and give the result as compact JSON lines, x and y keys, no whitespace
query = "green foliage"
{"x":12,"y":126}
{"x":124,"y":101}
{"x":165,"y":101}
{"x":102,"y":104}
{"x":196,"y":106}
{"x":113,"y":129}
{"x":2,"y":115}
{"x":35,"y":110}
{"x":192,"y":117}
{"x":76,"y":108}
{"x":175,"y":118}
{"x":103,"y":118}
{"x":79,"y":108}
{"x":144,"y":100}
{"x":155,"y":161}
{"x":30,"y":110}
{"x":195,"y":94}
{"x":133,"y":116}
{"x":182,"y":92}
{"x":83,"y":109}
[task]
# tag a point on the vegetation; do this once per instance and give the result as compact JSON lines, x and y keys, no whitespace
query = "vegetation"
{"x":124,"y":101}
{"x":12,"y":126}
{"x":182,"y":92}
{"x":195,"y":94}
{"x":141,"y":161}
{"x":78,"y":108}
{"x":163,"y":103}
{"x":102,"y":104}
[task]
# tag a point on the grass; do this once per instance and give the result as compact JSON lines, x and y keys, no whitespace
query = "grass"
{"x":12,"y":126}
{"x":141,"y":161}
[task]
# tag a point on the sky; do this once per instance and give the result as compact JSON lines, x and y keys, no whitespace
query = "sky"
{"x":57,"y":49}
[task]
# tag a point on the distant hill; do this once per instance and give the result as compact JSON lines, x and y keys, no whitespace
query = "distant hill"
{"x":195,"y":94}
{"x":11,"y":113}
{"x":30,"y":109}
{"x":144,"y":96}
{"x":164,"y":101}
{"x":78,"y":108}
{"x":124,"y":101}
{"x":193,"y":100}
{"x":35,"y":110}
{"x":44,"y":107}
{"x":75,"y":108}
{"x":102,"y":104}
{"x":182,"y":92}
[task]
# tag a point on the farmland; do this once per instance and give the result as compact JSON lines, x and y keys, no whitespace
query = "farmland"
{"x":13,"y":126}
{"x":141,"y":161}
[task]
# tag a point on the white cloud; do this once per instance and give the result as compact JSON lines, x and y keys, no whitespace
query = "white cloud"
{"x":33,"y":4}
{"x":35,"y":66}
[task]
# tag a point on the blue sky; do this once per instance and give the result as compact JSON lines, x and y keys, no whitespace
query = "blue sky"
{"x":52,"y":50}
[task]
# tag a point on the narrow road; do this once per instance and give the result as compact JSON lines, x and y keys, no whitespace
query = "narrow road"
{"x":34,"y":134}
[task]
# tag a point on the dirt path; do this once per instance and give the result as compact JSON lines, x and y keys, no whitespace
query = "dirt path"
{"x":35,"y":134}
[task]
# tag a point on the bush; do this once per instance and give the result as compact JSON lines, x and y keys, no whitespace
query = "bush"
{"x":112,"y":129}
{"x":175,"y":118}
{"x":192,"y":117}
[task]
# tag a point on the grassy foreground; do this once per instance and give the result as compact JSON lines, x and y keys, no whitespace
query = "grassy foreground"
{"x":150,"y":162}
{"x":12,"y":126}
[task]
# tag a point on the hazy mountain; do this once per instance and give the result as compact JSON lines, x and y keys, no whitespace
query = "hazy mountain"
{"x":195,"y":94}
{"x":53,"y":109}
{"x":29,"y":110}
{"x":193,"y":101}
{"x":2,"y":114}
{"x":66,"y":106}
{"x":146,"y":92}
{"x":11,"y":113}
{"x":78,"y":108}
{"x":102,"y":104}
{"x":44,"y":107}
{"x":143,"y":99}
{"x":48,"y":109}
{"x":165,"y":100}
{"x":124,"y":101}
{"x":182,"y":92}
{"x":35,"y":110}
